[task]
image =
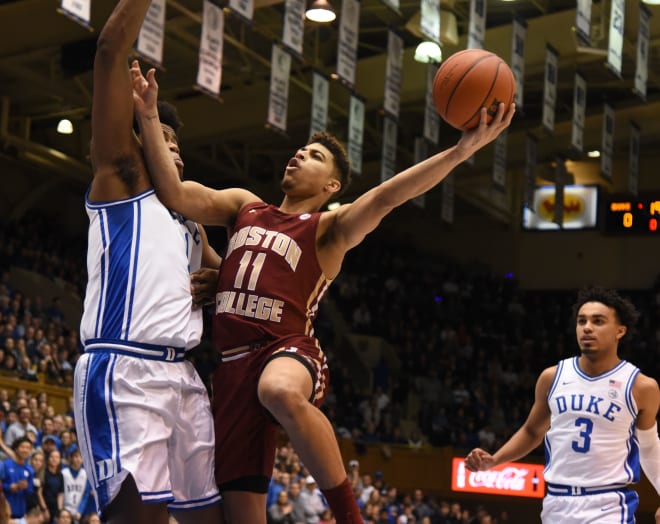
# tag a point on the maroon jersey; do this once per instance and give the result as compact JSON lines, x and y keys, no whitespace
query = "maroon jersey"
{"x":270,"y":281}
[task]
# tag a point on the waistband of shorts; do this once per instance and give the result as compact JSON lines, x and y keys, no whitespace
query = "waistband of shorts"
{"x":237,"y":352}
{"x":136,"y":349}
{"x":577,"y":491}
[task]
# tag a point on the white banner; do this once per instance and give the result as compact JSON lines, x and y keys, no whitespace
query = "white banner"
{"x":348,"y":41}
{"x":633,"y":160}
{"x":356,"y":134}
{"x":447,"y":207}
{"x":421,"y":153}
{"x":278,"y":101}
{"x":392,"y":4}
{"x":429,"y":19}
{"x":615,"y":41}
{"x":78,"y":11}
{"x":243,"y":8}
{"x":388,"y":156}
{"x":579,"y":110}
{"x":560,"y":183}
{"x":642,"y":62}
{"x":583,"y":21}
{"x":320,"y":97}
{"x":550,"y":88}
{"x":477,"y":24}
{"x":393,"y":74}
{"x":499,"y":160}
{"x":518,"y":37}
{"x":294,"y":25}
{"x":209,"y":72}
{"x":431,"y":116}
{"x":607,"y":146}
{"x":531,"y":148}
{"x":152,"y":34}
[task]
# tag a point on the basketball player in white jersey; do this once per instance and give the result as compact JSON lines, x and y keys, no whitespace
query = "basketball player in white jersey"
{"x":596,"y":414}
{"x":142,"y":413}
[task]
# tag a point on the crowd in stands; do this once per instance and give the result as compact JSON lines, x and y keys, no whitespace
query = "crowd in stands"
{"x":468,"y":345}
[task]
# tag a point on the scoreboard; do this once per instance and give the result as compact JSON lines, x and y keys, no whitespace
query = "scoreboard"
{"x":637,"y":215}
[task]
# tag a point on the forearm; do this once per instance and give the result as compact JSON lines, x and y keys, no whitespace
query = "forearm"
{"x":649,"y":455}
{"x":522,"y":443}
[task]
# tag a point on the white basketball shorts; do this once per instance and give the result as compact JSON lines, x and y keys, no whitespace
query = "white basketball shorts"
{"x":612,"y":507}
{"x":147,"y":416}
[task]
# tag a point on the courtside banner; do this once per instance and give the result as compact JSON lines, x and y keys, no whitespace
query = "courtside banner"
{"x":512,"y":479}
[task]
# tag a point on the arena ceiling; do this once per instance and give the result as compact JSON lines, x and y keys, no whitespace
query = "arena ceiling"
{"x":45,"y":74}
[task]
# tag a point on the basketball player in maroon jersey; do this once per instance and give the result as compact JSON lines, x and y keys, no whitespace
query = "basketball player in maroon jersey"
{"x":279,"y":263}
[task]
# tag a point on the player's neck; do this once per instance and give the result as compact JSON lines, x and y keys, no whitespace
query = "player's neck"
{"x":594,"y":365}
{"x":300,"y":205}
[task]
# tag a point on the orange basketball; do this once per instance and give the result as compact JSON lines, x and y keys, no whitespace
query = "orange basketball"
{"x":469,"y":80}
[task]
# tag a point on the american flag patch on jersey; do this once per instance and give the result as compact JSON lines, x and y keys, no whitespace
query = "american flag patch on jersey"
{"x":615,"y":383}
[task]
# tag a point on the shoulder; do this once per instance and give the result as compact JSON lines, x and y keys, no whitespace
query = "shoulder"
{"x":645,"y":387}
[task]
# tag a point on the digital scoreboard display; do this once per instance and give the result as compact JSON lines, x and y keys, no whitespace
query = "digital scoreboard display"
{"x":633,"y":216}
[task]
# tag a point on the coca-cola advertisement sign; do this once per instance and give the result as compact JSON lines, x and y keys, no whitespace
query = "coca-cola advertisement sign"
{"x":514,"y":479}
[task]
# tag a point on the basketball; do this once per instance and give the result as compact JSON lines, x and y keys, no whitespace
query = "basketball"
{"x":469,"y":80}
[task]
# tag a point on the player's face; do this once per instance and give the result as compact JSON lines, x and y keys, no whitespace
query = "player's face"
{"x":173,"y":145}
{"x":598,"y":328}
{"x":310,"y":172}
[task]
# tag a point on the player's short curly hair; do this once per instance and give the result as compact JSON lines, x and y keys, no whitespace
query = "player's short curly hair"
{"x":338,"y":152}
{"x":626,"y":312}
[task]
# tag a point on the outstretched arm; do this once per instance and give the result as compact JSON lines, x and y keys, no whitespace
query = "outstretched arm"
{"x":354,"y":221}
{"x":193,"y":200}
{"x":113,"y":141}
{"x":527,"y":438}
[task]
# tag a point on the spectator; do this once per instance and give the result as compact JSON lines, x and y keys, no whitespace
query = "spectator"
{"x":312,"y":501}
{"x":17,"y":479}
{"x":298,"y":510}
{"x":75,"y":481}
{"x":53,"y":490}
{"x":36,"y":500}
{"x":281,"y":511}
{"x":18,"y":428}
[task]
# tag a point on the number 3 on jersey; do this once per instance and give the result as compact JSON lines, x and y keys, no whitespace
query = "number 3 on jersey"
{"x":257,"y":264}
{"x":587,"y":426}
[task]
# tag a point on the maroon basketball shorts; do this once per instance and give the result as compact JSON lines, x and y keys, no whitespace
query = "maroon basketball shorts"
{"x":245,"y":432}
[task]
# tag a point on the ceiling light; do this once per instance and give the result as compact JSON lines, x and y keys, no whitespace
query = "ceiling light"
{"x":65,"y":127}
{"x":651,"y":2}
{"x":594,"y":153}
{"x":428,"y":52}
{"x":320,"y":11}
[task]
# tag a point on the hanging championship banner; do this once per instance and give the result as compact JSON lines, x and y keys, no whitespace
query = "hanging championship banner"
{"x":579,"y":110}
{"x":429,"y":19}
{"x":583,"y":21}
{"x":560,"y":182}
{"x":243,"y":8}
{"x":293,"y":26}
{"x":431,"y":116}
{"x":642,"y":62}
{"x":607,"y":147}
{"x":152,"y":34}
{"x":447,"y":208}
{"x":278,"y":101}
{"x":320,"y":97}
{"x":421,"y":153}
{"x":518,"y":37}
{"x":615,"y":41}
{"x":393,"y":74}
{"x":499,"y":161}
{"x":550,"y":88}
{"x":531,"y":147}
{"x":633,"y":160}
{"x":388,"y":156}
{"x":209,"y":72}
{"x":477,"y":24}
{"x":348,"y":41}
{"x":356,"y":134}
{"x":78,"y":11}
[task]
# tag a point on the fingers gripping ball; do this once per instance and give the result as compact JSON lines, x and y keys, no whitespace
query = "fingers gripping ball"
{"x":469,"y":80}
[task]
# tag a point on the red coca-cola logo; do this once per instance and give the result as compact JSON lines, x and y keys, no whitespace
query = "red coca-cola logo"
{"x":510,"y":478}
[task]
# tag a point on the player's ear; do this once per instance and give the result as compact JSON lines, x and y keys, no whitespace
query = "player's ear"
{"x":620,"y":332}
{"x":333,"y":185}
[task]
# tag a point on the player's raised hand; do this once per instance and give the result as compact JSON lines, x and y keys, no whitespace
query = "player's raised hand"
{"x":479,"y":460}
{"x":484,"y":133}
{"x":145,"y":90}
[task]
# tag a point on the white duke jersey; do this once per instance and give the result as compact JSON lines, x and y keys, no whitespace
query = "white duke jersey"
{"x":591,"y":441}
{"x":139,"y":258}
{"x":74,"y":487}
